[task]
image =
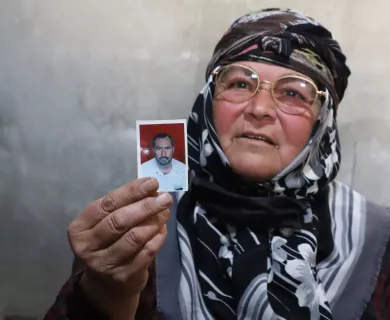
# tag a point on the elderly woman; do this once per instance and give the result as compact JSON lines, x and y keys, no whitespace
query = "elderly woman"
{"x":263,"y":232}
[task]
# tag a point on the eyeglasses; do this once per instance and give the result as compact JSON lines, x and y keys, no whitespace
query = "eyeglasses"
{"x":292,"y":94}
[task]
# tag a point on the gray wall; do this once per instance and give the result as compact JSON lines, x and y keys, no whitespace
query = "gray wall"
{"x":74,"y":77}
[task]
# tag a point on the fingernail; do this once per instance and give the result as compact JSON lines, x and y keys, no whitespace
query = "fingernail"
{"x":164,"y":200}
{"x":149,"y":186}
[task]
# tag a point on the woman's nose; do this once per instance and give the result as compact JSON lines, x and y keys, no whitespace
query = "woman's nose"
{"x":262,"y":104}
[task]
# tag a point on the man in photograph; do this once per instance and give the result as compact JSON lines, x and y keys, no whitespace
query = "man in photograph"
{"x":170,"y":173}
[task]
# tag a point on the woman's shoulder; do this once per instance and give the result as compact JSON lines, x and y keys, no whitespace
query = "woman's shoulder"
{"x":341,"y":196}
{"x":379,"y":306}
{"x":351,"y":211}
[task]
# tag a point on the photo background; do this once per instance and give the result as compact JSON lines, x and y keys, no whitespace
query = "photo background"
{"x":148,"y":131}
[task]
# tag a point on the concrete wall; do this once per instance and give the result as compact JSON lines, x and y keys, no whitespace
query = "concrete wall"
{"x":74,"y":77}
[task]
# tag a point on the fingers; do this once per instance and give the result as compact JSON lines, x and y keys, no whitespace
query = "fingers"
{"x":115,"y":225}
{"x":118,"y":236}
{"x":137,"y":238}
{"x":132,"y":192}
{"x":148,"y":253}
{"x":102,"y":262}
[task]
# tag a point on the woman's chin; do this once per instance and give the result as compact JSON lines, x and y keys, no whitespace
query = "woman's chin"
{"x":256,"y":167}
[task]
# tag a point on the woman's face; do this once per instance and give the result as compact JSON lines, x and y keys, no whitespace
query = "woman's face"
{"x":241,"y":128}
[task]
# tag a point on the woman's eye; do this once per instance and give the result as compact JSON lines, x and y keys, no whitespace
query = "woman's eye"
{"x":293,"y":94}
{"x":239,"y":85}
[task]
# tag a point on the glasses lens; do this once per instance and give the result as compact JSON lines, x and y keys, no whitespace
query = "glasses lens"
{"x":294,"y":95}
{"x":236,"y":84}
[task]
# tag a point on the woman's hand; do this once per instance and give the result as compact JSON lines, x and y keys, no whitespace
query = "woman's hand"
{"x":117,"y":237}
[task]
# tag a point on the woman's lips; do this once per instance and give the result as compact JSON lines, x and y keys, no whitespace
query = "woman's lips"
{"x":257,"y":137}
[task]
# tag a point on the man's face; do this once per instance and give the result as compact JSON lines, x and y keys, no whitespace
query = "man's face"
{"x":163,"y":151}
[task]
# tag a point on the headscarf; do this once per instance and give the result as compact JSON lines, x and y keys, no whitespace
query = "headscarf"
{"x":250,"y":250}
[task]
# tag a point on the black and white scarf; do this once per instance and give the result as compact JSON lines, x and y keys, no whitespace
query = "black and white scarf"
{"x":258,"y":251}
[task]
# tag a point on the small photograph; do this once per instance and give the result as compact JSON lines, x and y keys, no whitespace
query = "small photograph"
{"x":162,"y":153}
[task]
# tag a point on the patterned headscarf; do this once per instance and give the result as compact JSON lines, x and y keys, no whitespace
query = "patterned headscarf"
{"x":290,"y":39}
{"x":249,"y":250}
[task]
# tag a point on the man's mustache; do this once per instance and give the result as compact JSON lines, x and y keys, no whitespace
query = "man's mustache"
{"x":166,"y":158}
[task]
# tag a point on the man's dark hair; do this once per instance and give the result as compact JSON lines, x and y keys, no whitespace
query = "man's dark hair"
{"x":162,"y":136}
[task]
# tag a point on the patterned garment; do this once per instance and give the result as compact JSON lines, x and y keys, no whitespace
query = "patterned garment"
{"x":71,"y":304}
{"x":271,"y":273}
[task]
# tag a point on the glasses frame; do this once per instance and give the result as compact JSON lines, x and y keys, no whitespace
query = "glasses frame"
{"x":318,"y":92}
